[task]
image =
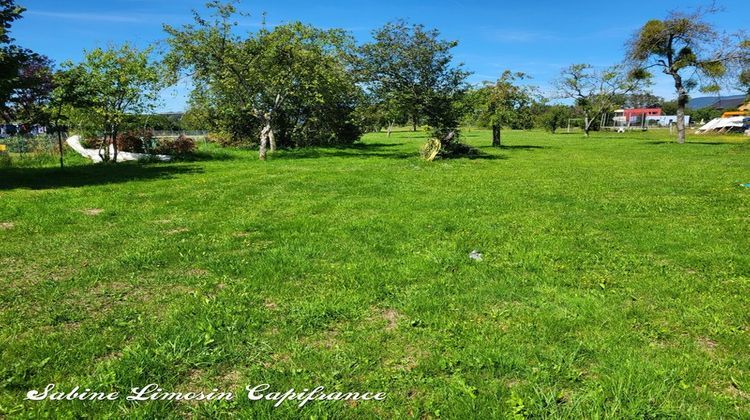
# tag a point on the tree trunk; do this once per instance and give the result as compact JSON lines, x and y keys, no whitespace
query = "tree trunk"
{"x":414,"y":123}
{"x":263,"y":141}
{"x":682,"y":100}
{"x":60,"y":145}
{"x":680,"y":123}
{"x":390,"y":128}
{"x":104,"y":148}
{"x":586,"y":125}
{"x":496,"y":139}
{"x":114,"y":144}
{"x":271,"y":139}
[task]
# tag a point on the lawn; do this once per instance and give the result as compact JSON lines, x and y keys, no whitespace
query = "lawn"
{"x":613,"y":282}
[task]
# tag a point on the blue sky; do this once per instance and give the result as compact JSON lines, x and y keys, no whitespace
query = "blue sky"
{"x":536,"y":37}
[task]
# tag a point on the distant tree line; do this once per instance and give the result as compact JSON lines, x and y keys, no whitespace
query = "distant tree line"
{"x":294,"y":85}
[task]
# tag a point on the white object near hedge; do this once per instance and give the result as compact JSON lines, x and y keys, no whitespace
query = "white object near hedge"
{"x":75,"y":143}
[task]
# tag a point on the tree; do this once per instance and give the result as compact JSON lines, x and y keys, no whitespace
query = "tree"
{"x":687,"y":48}
{"x":411,"y":68}
{"x":9,"y":12}
{"x":293,"y":81}
{"x":554,"y":117}
{"x":505,"y":103}
{"x":744,"y":73}
{"x":68,"y":92}
{"x":596,"y":92}
{"x":642,"y":100}
{"x":27,"y":101}
{"x":12,"y":57}
{"x":113,"y":83}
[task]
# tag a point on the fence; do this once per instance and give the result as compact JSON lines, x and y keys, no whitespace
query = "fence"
{"x":175,"y":133}
{"x":30,"y":144}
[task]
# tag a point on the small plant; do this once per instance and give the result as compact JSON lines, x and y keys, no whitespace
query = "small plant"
{"x":5,"y":160}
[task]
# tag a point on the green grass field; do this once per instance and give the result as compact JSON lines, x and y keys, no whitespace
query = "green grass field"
{"x":614,"y":280}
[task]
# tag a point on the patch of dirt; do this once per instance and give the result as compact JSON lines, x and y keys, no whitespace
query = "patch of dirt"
{"x":6,"y":225}
{"x":178,"y":230}
{"x":109,"y":357}
{"x":269,"y":304}
{"x":231,"y":381}
{"x":92,"y":212}
{"x":330,"y":340}
{"x":735,"y":392}
{"x":411,"y":359}
{"x":276,"y":359}
{"x":512,"y":383}
{"x":391,"y":317}
{"x":23,"y":274}
{"x":707,"y":344}
{"x":197,"y":272}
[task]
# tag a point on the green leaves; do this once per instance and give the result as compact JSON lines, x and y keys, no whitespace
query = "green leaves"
{"x":293,"y":79}
{"x":685,"y":42}
{"x":9,"y":12}
{"x":505,"y":101}
{"x":111,"y":83}
{"x":597,"y":91}
{"x":410,"y":70}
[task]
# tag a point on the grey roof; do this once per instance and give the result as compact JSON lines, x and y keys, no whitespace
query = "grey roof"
{"x":717,"y":102}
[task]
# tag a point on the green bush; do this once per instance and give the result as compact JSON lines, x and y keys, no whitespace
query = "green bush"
{"x":180,"y":146}
{"x":135,"y":141}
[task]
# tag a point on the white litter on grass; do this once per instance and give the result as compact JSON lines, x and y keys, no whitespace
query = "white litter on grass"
{"x":75,"y":143}
{"x":475,"y":255}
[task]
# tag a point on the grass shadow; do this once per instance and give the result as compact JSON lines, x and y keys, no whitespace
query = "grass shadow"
{"x":86,"y":175}
{"x":204,"y":156}
{"x":356,"y":150}
{"x":515,"y":147}
{"x":465,"y":151}
{"x":705,"y":143}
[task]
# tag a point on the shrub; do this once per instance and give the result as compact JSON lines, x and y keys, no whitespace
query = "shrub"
{"x":135,"y":141}
{"x":224,"y":139}
{"x":91,"y":142}
{"x":183,"y":145}
{"x":180,"y":146}
{"x":5,"y":160}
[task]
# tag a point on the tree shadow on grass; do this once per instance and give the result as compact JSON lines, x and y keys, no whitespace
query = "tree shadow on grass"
{"x":515,"y":147}
{"x":86,"y":175}
{"x":202,"y":156}
{"x":356,"y":150}
{"x":705,"y":143}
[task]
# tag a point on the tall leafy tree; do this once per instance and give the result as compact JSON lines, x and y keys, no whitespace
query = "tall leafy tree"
{"x":27,"y":101}
{"x":553,"y":117}
{"x":505,"y":103}
{"x":744,"y":73}
{"x":412,"y":69}
{"x":24,"y":75}
{"x":688,"y":49}
{"x":9,"y":12}
{"x":114,"y":82}
{"x":292,"y":80}
{"x":69,"y":92}
{"x":597,"y":91}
